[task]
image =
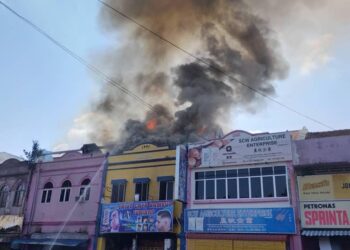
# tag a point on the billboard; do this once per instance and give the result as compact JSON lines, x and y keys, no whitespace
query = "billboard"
{"x":240,"y":220}
{"x":240,"y":147}
{"x":147,"y":216}
{"x":324,"y":187}
{"x":325,"y":214}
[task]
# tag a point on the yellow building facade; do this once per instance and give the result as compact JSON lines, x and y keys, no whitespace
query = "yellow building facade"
{"x":139,"y":189}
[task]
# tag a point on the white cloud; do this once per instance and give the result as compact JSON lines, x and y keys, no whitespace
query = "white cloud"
{"x":316,"y":54}
{"x":82,"y":130}
{"x":61,"y":147}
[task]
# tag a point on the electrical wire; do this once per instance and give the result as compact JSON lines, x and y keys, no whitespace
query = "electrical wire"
{"x":81,"y":60}
{"x":211,"y":66}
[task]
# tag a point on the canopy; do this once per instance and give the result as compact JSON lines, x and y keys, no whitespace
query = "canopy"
{"x":9,"y":221}
{"x":59,"y":242}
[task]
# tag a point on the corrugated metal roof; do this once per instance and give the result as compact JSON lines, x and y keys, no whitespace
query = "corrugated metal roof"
{"x":315,"y":233}
{"x":312,"y":135}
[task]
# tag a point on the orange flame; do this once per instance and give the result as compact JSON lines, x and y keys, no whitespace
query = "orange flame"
{"x":201,"y":130}
{"x":151,"y":124}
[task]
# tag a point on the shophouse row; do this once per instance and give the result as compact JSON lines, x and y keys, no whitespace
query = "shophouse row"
{"x":287,"y":190}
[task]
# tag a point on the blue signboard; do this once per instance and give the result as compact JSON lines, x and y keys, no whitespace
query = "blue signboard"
{"x":240,"y":220}
{"x":144,"y":216}
{"x":181,"y":169}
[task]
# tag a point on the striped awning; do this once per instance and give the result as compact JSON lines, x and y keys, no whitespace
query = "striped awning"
{"x":311,"y":233}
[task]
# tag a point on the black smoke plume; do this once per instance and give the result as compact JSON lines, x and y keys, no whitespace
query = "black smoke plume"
{"x":191,"y":99}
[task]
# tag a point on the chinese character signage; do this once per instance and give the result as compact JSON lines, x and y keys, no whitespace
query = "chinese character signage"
{"x":324,"y":187}
{"x":239,"y":148}
{"x":325,"y":214}
{"x":148,"y":216}
{"x":240,"y":220}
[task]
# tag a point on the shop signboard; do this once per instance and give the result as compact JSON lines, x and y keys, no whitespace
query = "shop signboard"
{"x":240,"y":220}
{"x":240,"y":147}
{"x":147,"y":216}
{"x":329,"y":214}
{"x":325,"y":201}
{"x":324,"y":187}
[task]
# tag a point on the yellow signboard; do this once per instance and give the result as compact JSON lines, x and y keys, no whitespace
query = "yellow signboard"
{"x":341,"y":186}
{"x":324,"y":187}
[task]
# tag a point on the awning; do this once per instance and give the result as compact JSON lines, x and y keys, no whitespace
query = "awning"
{"x":59,"y":242}
{"x":165,"y":178}
{"x":142,"y":180}
{"x":9,"y":221}
{"x":313,"y":233}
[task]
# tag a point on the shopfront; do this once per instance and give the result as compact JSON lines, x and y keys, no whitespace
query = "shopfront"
{"x":241,"y":193}
{"x":138,"y":225}
{"x":247,"y":228}
{"x":139,"y":209}
{"x":325,"y":211}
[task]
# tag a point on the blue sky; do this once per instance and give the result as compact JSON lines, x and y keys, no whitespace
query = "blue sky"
{"x":44,"y":90}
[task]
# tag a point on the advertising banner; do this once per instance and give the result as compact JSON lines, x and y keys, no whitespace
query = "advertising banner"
{"x":324,"y":187}
{"x":147,"y":216}
{"x":325,"y":214}
{"x":239,"y":148}
{"x":240,"y":220}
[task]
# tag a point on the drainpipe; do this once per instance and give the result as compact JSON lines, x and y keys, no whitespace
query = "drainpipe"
{"x":26,"y":196}
{"x":102,"y":189}
{"x":184,"y":204}
{"x":34,"y":200}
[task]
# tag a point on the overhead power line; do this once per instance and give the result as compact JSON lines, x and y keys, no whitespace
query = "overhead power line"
{"x":81,"y":60}
{"x":211,"y":66}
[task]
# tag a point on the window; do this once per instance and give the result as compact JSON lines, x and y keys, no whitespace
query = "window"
{"x":4,"y":192}
{"x":166,"y":187}
{"x":141,"y":188}
{"x":232,"y":190}
{"x":84,"y":192}
{"x":65,"y":191}
{"x":241,"y":183}
{"x":221,"y":184}
{"x":47,"y":192}
{"x":19,"y":195}
{"x":118,"y":190}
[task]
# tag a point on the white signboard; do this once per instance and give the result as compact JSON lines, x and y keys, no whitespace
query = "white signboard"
{"x":240,"y":147}
{"x":330,"y":214}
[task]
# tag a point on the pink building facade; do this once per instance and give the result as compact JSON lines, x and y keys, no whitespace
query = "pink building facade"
{"x":322,"y":165}
{"x":63,"y":201}
{"x":241,"y":191}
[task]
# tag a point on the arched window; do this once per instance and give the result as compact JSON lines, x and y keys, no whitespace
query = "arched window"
{"x":4,"y":192}
{"x":47,"y":192}
{"x":65,"y":191}
{"x":84,"y":193}
{"x":19,"y":195}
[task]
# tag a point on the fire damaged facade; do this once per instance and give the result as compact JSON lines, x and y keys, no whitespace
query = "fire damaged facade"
{"x":139,"y":210}
{"x":241,"y":193}
{"x":322,"y":162}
